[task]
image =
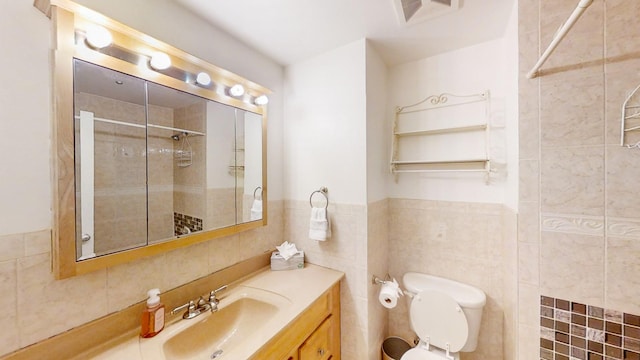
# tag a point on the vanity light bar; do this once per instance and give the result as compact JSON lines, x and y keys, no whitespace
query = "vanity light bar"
{"x":160,"y":61}
{"x":261,"y":100}
{"x":100,"y":39}
{"x":203,"y":79}
{"x":236,"y":90}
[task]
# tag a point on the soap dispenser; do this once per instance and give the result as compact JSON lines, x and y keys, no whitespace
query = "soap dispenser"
{"x":153,"y":315}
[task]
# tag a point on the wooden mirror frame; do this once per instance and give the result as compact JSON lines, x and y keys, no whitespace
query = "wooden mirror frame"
{"x":67,"y":18}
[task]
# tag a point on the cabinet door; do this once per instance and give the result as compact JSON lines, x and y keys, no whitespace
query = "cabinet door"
{"x":293,"y":355}
{"x":321,"y":344}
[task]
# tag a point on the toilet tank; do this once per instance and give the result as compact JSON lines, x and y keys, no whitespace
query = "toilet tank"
{"x":470,"y":299}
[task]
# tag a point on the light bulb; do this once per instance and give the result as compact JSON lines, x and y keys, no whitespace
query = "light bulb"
{"x":98,"y":37}
{"x":203,"y":79}
{"x":160,"y":61}
{"x":261,"y":100}
{"x":236,"y":90}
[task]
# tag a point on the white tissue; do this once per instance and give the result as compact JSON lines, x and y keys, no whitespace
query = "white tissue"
{"x":389,"y":293}
{"x":287,"y":250}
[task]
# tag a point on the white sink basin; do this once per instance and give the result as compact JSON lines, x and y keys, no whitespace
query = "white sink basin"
{"x":243,"y":313}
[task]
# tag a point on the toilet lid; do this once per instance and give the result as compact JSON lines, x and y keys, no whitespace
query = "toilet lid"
{"x":439,"y":318}
{"x":418,"y":353}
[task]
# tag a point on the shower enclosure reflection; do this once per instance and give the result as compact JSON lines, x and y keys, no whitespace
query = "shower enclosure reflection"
{"x":154,"y":163}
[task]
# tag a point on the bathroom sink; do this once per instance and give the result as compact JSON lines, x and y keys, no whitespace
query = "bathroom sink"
{"x":243,"y":314}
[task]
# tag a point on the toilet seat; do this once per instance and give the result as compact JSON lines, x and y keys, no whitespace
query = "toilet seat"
{"x":439,"y":320}
{"x":420,"y":353}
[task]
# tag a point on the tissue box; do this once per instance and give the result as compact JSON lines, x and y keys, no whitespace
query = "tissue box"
{"x":294,"y":262}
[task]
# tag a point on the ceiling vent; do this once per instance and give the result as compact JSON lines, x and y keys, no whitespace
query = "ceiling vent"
{"x":411,"y":12}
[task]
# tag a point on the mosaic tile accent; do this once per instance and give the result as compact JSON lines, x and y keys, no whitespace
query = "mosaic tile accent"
{"x":182,"y":221}
{"x":574,"y":331}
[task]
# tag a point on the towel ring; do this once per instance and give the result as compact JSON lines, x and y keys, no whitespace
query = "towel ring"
{"x":323,"y":190}
{"x":254,"y":193}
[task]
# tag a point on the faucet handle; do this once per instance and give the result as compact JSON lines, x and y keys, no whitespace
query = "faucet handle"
{"x":212,"y":294}
{"x":191,"y":310}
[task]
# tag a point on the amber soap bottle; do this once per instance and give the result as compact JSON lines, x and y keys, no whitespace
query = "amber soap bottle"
{"x":152,"y":321}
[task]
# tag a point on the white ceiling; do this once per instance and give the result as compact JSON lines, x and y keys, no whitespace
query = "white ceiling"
{"x":289,"y":31}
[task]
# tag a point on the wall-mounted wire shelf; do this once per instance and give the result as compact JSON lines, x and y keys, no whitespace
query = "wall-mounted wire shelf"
{"x":630,"y":117}
{"x":479,"y":124}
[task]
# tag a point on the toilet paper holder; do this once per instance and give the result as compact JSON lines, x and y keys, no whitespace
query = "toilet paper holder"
{"x":388,"y":279}
{"x":377,"y":281}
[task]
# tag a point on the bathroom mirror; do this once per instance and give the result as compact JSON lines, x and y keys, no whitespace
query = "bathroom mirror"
{"x":148,"y":158}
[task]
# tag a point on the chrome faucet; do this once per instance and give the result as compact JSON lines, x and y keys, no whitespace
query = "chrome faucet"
{"x":195,"y":308}
{"x":192,"y":310}
{"x":213,"y":300}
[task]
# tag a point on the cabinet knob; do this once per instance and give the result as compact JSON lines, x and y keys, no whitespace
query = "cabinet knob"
{"x":321,"y":352}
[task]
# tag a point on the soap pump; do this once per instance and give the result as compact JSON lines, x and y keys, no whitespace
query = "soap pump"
{"x":153,"y":315}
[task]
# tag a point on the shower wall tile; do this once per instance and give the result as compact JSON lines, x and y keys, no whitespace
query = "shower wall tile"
{"x":572,"y":180}
{"x":529,"y":138}
{"x":622,"y":31}
{"x":582,"y":331}
{"x":589,"y":222}
{"x":528,"y":309}
{"x":622,"y":76}
{"x":573,"y":224}
{"x":529,"y":183}
{"x":529,"y":222}
{"x":623,"y":288}
{"x":584,"y":44}
{"x":622,"y":165}
{"x":571,"y":266}
{"x":570,"y":119}
{"x":528,"y":263}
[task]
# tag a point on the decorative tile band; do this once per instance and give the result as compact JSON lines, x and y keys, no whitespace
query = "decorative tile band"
{"x":574,"y":224}
{"x":574,"y":331}
{"x":625,"y":228}
{"x":591,"y":225}
{"x":182,"y":222}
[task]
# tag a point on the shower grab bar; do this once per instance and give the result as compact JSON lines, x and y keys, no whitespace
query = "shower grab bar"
{"x":562,"y":32}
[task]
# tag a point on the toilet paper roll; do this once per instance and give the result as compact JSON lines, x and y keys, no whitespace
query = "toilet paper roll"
{"x":388,"y":296}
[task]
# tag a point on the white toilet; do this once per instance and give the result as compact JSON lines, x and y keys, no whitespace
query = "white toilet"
{"x":445,"y":314}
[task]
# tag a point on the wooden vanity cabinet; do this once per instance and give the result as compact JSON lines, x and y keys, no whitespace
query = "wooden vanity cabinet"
{"x":313,"y":335}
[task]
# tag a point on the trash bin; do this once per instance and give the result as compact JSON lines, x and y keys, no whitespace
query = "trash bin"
{"x":393,"y":348}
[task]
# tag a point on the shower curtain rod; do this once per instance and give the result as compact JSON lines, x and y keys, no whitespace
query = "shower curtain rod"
{"x":562,"y":32}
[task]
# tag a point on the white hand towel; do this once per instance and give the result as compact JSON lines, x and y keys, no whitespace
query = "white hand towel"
{"x":256,"y":210}
{"x":319,"y":225}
